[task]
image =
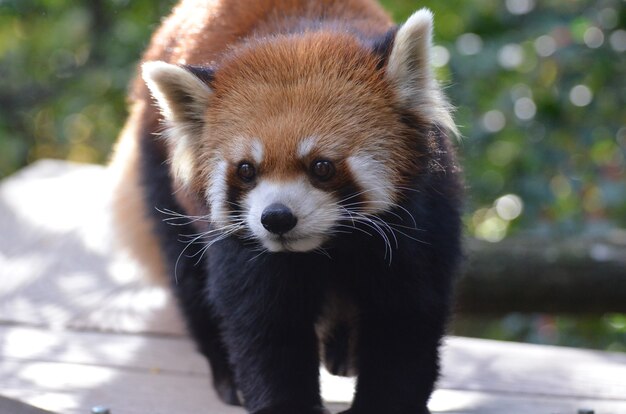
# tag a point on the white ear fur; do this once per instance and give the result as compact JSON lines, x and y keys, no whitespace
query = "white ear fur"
{"x":180,"y":94}
{"x":183,"y":100}
{"x":409,"y":68}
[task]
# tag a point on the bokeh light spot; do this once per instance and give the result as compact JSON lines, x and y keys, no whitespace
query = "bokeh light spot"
{"x":494,"y":121}
{"x":520,"y":6}
{"x":469,"y":44}
{"x":511,"y":56}
{"x":618,"y":40}
{"x":593,"y":37}
{"x":581,"y":95}
{"x":545,"y":45}
{"x":525,"y":108}
{"x":608,"y":18}
{"x":440,"y":56}
{"x":489,"y":226}
{"x":509,"y":207}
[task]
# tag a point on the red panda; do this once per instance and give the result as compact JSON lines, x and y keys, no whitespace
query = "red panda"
{"x":288,"y":164}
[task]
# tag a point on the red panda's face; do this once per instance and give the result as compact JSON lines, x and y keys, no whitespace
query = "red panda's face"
{"x":295,"y":137}
{"x":303,"y":135}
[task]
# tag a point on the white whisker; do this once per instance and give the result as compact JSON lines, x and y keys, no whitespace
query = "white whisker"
{"x":263,"y":251}
{"x":322,"y":251}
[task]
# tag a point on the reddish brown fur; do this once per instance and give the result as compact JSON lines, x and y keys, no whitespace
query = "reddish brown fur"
{"x":199,"y":31}
{"x":132,"y":229}
{"x":332,"y":76}
{"x":332,"y":92}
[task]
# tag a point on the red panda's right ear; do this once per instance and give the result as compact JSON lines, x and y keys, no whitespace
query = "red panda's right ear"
{"x":182,"y":96}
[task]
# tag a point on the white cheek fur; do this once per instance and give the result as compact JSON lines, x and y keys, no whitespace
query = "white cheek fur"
{"x":316,"y":210}
{"x":216,"y":194}
{"x":373,"y":178}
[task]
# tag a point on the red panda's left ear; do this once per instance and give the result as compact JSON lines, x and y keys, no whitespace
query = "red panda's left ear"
{"x":410,"y":70}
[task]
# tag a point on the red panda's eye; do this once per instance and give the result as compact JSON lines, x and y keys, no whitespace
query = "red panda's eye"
{"x":246,"y":171}
{"x":323,"y":170}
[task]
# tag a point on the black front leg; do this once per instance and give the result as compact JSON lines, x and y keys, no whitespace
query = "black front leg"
{"x":268,"y":307}
{"x":205,"y":329}
{"x":401,"y":327}
{"x":398,"y":363}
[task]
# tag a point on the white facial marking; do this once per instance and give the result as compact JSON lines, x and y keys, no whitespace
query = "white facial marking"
{"x":216,"y":194}
{"x":373,"y":178}
{"x":306,"y":146}
{"x":315,"y":210}
{"x":257,"y":151}
{"x":182,"y":161}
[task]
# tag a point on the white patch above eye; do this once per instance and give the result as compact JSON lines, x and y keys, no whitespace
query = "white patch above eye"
{"x":306,"y":146}
{"x":216,"y":194}
{"x":316,"y":211}
{"x":374,"y":179}
{"x":257,"y":151}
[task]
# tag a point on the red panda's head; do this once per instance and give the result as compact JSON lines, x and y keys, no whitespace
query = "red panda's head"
{"x":293,"y":135}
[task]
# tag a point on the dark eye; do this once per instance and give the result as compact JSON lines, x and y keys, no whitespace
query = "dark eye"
{"x":246,"y":171}
{"x":323,"y":170}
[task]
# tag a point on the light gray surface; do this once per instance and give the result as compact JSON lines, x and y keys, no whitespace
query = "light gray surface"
{"x":11,"y":406}
{"x":60,"y":264}
{"x":80,"y":325}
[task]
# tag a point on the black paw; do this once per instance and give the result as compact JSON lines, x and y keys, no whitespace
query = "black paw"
{"x":292,"y":410}
{"x":227,"y":392}
{"x":353,"y":411}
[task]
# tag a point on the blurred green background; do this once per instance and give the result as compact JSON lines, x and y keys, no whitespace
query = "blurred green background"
{"x":540,"y":91}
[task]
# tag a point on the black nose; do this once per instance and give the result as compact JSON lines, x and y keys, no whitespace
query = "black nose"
{"x":278,"y":218}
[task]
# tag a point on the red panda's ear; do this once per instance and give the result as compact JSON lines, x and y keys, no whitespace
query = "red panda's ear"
{"x":410,"y":71}
{"x":183,"y":97}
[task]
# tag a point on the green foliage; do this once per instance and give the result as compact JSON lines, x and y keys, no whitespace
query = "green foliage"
{"x":607,"y":332}
{"x":64,"y":71}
